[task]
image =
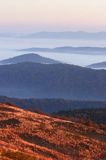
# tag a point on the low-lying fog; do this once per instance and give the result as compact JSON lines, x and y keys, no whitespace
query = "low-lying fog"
{"x":8,"y":47}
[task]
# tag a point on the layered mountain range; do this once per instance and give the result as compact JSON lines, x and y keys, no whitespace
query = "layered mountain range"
{"x":60,"y":114}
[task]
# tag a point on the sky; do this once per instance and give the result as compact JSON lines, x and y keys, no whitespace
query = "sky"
{"x":52,"y":15}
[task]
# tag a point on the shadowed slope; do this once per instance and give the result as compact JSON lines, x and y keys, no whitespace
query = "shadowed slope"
{"x":27,"y":80}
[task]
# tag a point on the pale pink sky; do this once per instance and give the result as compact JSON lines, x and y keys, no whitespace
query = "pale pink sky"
{"x":52,"y":15}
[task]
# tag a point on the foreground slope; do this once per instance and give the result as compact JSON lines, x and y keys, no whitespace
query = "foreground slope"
{"x":26,"y":135}
{"x":35,"y":80}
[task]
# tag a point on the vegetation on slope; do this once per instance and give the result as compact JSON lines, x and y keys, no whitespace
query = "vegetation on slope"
{"x":42,"y":137}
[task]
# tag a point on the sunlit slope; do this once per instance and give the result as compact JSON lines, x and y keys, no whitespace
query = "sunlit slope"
{"x":27,"y":135}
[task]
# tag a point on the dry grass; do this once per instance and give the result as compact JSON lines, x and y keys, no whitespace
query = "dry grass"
{"x":32,"y":136}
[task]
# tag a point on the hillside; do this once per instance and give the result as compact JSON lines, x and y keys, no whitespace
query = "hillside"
{"x":31,"y":57}
{"x":54,"y":105}
{"x":101,"y":65}
{"x":97,"y":115}
{"x":31,"y":80}
{"x":27,"y":135}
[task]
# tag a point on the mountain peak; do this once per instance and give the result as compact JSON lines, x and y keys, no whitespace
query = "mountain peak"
{"x":30,"y":57}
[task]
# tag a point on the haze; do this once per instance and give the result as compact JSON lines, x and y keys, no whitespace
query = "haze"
{"x":52,"y":15}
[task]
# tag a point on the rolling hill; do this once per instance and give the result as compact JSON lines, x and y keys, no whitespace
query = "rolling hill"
{"x":31,"y":80}
{"x":27,"y":135}
{"x":31,"y":57}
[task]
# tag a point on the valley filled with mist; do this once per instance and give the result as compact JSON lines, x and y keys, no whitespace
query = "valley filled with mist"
{"x":89,"y":50}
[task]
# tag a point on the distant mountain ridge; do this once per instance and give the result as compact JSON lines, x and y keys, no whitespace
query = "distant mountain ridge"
{"x":31,"y":57}
{"x":67,"y":35}
{"x":33,"y":80}
{"x":58,"y":35}
{"x":100,"y":65}
{"x":69,"y":49}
